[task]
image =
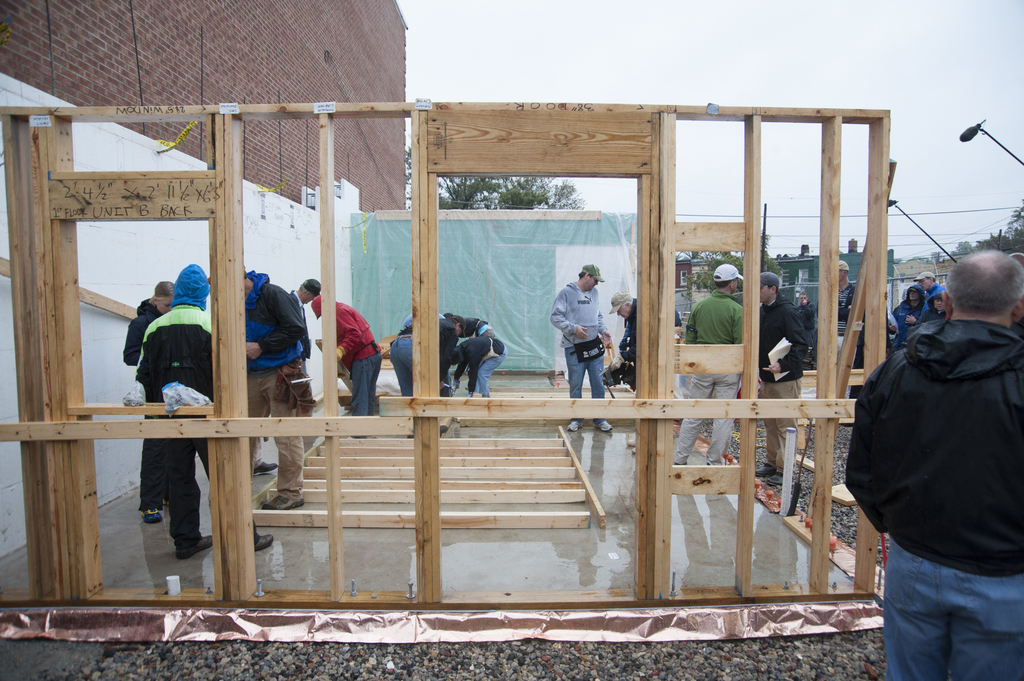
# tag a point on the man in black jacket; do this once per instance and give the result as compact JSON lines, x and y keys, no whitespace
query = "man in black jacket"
{"x":946,"y":481}
{"x":482,"y":355}
{"x":781,"y":379}
{"x":179,"y":347}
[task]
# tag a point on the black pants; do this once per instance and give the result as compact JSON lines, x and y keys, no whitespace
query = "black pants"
{"x":185,"y":495}
{"x":153,"y":476}
{"x":858,"y":363}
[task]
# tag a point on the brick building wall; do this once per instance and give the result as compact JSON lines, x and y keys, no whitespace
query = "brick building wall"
{"x":212,"y":51}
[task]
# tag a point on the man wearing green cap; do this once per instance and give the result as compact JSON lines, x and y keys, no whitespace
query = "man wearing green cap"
{"x":577,"y":316}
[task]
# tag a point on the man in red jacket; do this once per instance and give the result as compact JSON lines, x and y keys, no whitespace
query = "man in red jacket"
{"x":359,"y":353}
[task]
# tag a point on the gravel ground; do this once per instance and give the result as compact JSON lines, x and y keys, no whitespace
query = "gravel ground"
{"x":857,"y":655}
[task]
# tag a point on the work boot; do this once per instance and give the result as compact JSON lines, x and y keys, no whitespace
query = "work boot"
{"x":775,"y":480}
{"x":201,"y":545}
{"x":264,"y":542}
{"x":263,"y":468}
{"x":280,"y":503}
{"x":766,"y":470}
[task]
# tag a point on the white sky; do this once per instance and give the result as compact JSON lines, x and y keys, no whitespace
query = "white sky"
{"x":938,"y":66}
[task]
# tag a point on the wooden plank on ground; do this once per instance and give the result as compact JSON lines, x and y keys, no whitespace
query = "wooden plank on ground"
{"x":581,"y":475}
{"x":453,"y":472}
{"x":408,"y":484}
{"x":407,"y":496}
{"x":454,"y":443}
{"x":450,"y":520}
{"x":841,"y":495}
{"x":449,"y":452}
{"x":447,"y":461}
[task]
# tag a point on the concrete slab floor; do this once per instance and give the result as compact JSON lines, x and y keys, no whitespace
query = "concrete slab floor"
{"x":703,"y":537}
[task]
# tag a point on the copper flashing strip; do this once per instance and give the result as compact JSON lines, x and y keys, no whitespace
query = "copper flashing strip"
{"x":664,"y":624}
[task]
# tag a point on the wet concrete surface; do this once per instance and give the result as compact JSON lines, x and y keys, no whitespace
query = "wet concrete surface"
{"x":135,"y":554}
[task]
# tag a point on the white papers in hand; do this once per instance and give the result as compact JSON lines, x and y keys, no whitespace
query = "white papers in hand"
{"x":777,"y":353}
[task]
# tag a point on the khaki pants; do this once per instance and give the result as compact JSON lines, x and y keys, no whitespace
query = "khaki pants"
{"x":775,"y":429}
{"x":261,"y":405}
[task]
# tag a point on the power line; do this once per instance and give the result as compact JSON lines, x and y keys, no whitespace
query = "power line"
{"x":816,"y":217}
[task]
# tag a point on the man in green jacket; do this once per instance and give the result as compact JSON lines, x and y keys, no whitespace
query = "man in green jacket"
{"x":716,"y":320}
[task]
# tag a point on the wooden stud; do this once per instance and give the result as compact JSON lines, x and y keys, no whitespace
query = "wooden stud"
{"x":426,"y":374}
{"x":752,"y":334}
{"x":544,"y":143}
{"x":827,"y":379}
{"x":704,"y":480}
{"x":708,"y":359}
{"x":710,"y":236}
{"x":230,"y":473}
{"x":78,"y":500}
{"x":24,"y":196}
{"x":329,"y":334}
{"x":408,"y":496}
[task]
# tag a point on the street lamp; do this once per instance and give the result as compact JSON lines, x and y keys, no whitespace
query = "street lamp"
{"x":972,"y":132}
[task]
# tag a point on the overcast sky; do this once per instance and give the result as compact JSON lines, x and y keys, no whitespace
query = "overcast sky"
{"x":938,"y":66}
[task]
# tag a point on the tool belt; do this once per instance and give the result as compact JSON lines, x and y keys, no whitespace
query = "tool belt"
{"x":588,"y":350}
{"x":298,"y":396}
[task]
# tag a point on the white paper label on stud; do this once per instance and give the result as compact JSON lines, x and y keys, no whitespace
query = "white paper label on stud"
{"x":424,"y":104}
{"x":229,"y":107}
{"x":39,"y":122}
{"x":324,"y":107}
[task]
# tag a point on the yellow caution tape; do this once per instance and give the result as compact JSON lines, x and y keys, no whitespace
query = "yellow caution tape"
{"x":5,"y":32}
{"x":181,"y":138}
{"x":277,"y":188}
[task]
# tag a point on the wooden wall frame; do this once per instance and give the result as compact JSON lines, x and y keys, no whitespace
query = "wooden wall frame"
{"x":56,"y":429}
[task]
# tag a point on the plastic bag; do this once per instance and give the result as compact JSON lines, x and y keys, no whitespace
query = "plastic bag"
{"x":136,"y":397}
{"x":177,"y":395}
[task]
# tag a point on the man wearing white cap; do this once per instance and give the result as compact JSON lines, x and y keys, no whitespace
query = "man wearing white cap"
{"x":927,"y":282}
{"x":716,"y":320}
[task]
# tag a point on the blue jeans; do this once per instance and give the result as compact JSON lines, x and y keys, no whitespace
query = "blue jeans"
{"x":591,"y":368}
{"x":364,"y":384}
{"x":938,"y":618}
{"x":487,"y":368}
{"x":401,"y":359}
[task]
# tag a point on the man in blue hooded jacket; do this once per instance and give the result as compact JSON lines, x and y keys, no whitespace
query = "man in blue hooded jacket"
{"x":273,"y":340}
{"x":178,"y":346}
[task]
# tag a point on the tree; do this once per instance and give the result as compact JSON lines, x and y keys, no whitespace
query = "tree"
{"x":705,"y":281}
{"x":963,"y":248}
{"x":1013,"y":235}
{"x":507,"y":193}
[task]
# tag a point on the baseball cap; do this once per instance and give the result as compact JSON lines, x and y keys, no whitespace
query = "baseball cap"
{"x":312,"y":287}
{"x":593,"y":271}
{"x":924,"y":275}
{"x":620,"y":299}
{"x":844,"y":266}
{"x":727,"y":272}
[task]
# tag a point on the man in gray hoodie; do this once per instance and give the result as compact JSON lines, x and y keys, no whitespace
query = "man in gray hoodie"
{"x":577,"y":315}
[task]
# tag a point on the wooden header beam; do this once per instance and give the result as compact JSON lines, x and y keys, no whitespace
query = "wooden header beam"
{"x":185,"y":114}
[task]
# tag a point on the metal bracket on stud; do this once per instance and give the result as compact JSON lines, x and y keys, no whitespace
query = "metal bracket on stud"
{"x":259,"y":588}
{"x":410,"y":595}
{"x":835,"y":586}
{"x":673,"y":593}
{"x":785,"y":585}
{"x":353,"y":592}
{"x":209,"y":590}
